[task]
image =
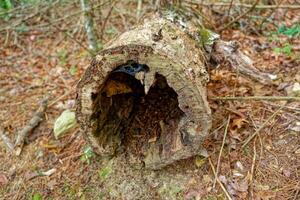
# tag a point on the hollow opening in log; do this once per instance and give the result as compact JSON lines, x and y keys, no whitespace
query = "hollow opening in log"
{"x":155,"y":119}
{"x":125,"y":117}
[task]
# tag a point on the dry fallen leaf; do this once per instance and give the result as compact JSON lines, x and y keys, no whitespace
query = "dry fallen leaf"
{"x":265,"y":195}
{"x":3,"y":179}
{"x":237,"y":124}
{"x":286,"y":172}
{"x":240,"y":186}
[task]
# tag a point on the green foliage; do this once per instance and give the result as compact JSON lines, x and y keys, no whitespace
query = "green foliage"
{"x":286,"y":50}
{"x":37,"y":197}
{"x":293,"y":31}
{"x":111,"y":31}
{"x":104,"y":173}
{"x":62,"y":57}
{"x":87,"y":155}
{"x":100,"y":45}
{"x":5,"y":5}
{"x":207,"y":37}
{"x":73,"y":70}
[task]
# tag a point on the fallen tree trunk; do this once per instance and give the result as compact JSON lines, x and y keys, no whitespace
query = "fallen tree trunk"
{"x":145,"y":94}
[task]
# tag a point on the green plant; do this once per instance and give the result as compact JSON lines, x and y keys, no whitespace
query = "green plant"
{"x":286,"y":50}
{"x":37,"y":197}
{"x":111,"y":31}
{"x":5,"y":5}
{"x":73,"y":70}
{"x":87,"y":155}
{"x":293,"y":31}
{"x":62,"y":57}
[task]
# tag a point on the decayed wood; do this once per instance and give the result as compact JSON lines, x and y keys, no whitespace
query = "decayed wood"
{"x":171,"y":119}
{"x":228,"y":51}
{"x":158,"y":115}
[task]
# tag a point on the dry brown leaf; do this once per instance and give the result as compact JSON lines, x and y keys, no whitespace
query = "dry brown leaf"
{"x":3,"y":179}
{"x":237,"y":124}
{"x":265,"y":195}
{"x":235,"y":127}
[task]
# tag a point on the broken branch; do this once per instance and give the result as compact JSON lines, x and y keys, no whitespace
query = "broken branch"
{"x":240,"y":16}
{"x":258,"y":98}
{"x":229,"y":51}
{"x":33,"y":123}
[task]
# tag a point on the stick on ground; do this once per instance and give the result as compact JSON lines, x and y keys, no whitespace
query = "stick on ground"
{"x":34,"y":122}
{"x":218,"y":180}
{"x":221,"y":150}
{"x":258,"y":98}
{"x":262,"y":126}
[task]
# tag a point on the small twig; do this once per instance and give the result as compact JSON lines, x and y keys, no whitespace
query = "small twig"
{"x":139,"y":9}
{"x":106,"y":19}
{"x":257,"y":98}
{"x":221,"y":185}
{"x":72,"y":38}
{"x":239,"y":17}
{"x":38,"y":11}
{"x":294,"y":108}
{"x":261,"y":127}
{"x":252,"y":170}
{"x":221,"y":150}
{"x":9,"y":145}
{"x":230,"y":6}
{"x":56,"y":20}
{"x":22,"y":7}
{"x":296,"y":195}
{"x":59,"y":98}
{"x":208,"y":20}
{"x":286,"y":6}
{"x":269,"y":15}
{"x":34,"y":122}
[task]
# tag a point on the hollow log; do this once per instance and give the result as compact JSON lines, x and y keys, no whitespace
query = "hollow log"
{"x":145,"y":94}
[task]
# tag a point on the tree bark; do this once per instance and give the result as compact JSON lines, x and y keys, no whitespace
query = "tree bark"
{"x":145,"y":93}
{"x":170,"y":117}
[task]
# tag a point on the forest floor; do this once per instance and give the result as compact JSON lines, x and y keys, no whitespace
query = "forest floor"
{"x":39,"y":63}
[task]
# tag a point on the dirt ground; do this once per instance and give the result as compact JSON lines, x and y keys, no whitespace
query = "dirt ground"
{"x":41,"y":62}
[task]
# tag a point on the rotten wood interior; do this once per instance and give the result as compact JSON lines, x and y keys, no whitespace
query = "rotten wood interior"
{"x":145,"y":95}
